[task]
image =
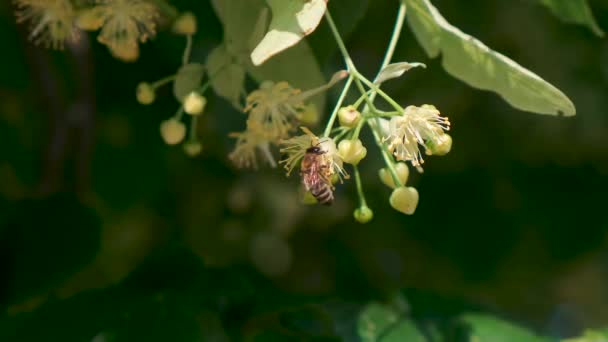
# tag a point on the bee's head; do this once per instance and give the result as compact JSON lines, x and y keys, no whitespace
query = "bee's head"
{"x":314,"y":149}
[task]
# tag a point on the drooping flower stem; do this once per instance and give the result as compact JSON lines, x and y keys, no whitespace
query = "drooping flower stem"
{"x":360,"y":194}
{"x":163,"y":81}
{"x":187,"y":50}
{"x":334,"y":114}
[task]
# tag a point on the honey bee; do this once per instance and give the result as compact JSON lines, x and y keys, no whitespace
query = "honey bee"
{"x":315,"y":172}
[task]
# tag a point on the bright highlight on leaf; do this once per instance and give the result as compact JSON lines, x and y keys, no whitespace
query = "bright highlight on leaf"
{"x":292,"y":20}
{"x":469,"y":60}
{"x":574,"y":11}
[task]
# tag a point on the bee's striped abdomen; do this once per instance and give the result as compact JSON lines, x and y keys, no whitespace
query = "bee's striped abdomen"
{"x":323,"y":193}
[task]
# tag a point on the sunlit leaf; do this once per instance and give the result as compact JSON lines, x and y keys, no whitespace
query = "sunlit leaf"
{"x":380,"y":323}
{"x":188,"y":79}
{"x":238,"y":17}
{"x":485,"y":328}
{"x":574,"y":11}
{"x":395,"y":70}
{"x":292,"y":20}
{"x":469,"y":60}
{"x":297,"y":65}
{"x":226,"y":76}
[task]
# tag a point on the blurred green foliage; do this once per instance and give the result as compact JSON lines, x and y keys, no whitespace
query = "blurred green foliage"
{"x":509,"y":239}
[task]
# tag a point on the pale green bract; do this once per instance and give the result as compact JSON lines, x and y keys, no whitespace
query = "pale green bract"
{"x":395,"y":70}
{"x":227,"y":77}
{"x":292,"y":20}
{"x":574,"y":11}
{"x":297,"y":65}
{"x":381,"y":323}
{"x":469,"y":60}
{"x":187,"y":79}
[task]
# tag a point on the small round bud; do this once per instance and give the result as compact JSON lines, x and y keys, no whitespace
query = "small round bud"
{"x":145,"y":93}
{"x":440,"y":146}
{"x":172,"y":131}
{"x":404,"y":199}
{"x":363,"y":214}
{"x":194,"y":103}
{"x":403,"y":172}
{"x":193,"y":148}
{"x":308,"y":199}
{"x":351,"y":151}
{"x":349,"y":116}
{"x":310,"y":115}
{"x":185,"y":24}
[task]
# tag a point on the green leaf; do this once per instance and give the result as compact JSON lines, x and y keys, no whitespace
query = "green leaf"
{"x":395,"y":70}
{"x":591,"y":336}
{"x":379,"y":322}
{"x":469,"y":60}
{"x":292,"y":20}
{"x":238,"y":17}
{"x":486,"y":328}
{"x":227,"y":77}
{"x":297,"y":65}
{"x":575,"y":12}
{"x":188,"y":79}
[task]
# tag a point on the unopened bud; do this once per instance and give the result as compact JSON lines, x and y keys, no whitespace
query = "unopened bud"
{"x":351,"y":151}
{"x":402,"y":171}
{"x":185,"y":24}
{"x":172,"y":131}
{"x":349,"y":116}
{"x":404,"y":199}
{"x":440,"y":146}
{"x":145,"y":93}
{"x":363,"y":214}
{"x":194,"y":103}
{"x":193,"y":148}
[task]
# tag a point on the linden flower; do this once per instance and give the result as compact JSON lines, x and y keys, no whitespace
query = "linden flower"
{"x":295,"y":149}
{"x":274,"y":109}
{"x":52,"y":21}
{"x":248,"y":144}
{"x":416,"y":126}
{"x":124,"y":23}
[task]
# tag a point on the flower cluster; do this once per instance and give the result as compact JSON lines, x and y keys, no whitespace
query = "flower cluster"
{"x":52,"y":21}
{"x":418,"y":126}
{"x":274,"y":111}
{"x":123,"y":24}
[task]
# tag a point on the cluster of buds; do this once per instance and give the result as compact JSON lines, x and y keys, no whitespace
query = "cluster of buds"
{"x":187,"y":90}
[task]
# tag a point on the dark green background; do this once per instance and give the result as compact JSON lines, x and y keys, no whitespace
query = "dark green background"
{"x":131,"y":240}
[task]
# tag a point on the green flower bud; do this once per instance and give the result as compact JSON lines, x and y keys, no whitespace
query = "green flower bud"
{"x":403,"y":172}
{"x":145,"y":93}
{"x":351,"y":151}
{"x":185,"y":24}
{"x":193,"y":148}
{"x":363,"y":214}
{"x":172,"y":131}
{"x":194,"y":103}
{"x":404,"y":199}
{"x":440,"y":146}
{"x":349,"y":116}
